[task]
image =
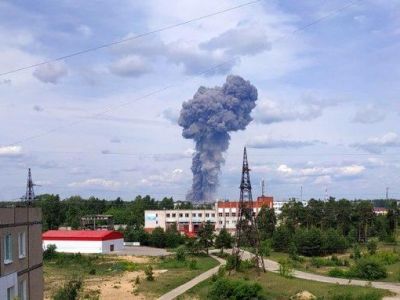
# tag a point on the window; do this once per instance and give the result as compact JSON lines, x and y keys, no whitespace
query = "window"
{"x":7,"y":249}
{"x":227,"y":214}
{"x":10,"y":293}
{"x":21,"y":245}
{"x":213,"y":215}
{"x":200,"y":215}
{"x":22,"y":290}
{"x":187,"y":215}
{"x":180,"y":215}
{"x":227,"y":222}
{"x":156,"y":215}
{"x":173,"y":215}
{"x":220,"y":222}
{"x":207,"y":215}
{"x":168,"y":215}
{"x":220,"y":214}
{"x":193,"y":215}
{"x":233,"y":214}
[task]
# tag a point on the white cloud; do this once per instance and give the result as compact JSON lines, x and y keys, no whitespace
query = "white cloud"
{"x":266,"y":142}
{"x":10,"y":151}
{"x":308,"y":109}
{"x":380,"y":144}
{"x":369,"y":114}
{"x":130,"y":66}
{"x":84,"y":30}
{"x":240,"y":41}
{"x":96,"y":182}
{"x":164,"y":178}
{"x":51,"y":72}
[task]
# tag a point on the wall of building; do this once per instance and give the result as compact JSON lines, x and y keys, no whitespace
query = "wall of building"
{"x":29,"y":267}
{"x":85,"y":246}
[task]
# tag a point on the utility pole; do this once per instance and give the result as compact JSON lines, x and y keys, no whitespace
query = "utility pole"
{"x":246,"y":227}
{"x":262,"y":187}
{"x":301,"y":194}
{"x":30,"y":193}
{"x":387,"y":193}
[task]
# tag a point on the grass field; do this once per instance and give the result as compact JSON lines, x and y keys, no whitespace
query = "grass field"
{"x":280,"y":288}
{"x":114,"y":277}
{"x":393,"y":269}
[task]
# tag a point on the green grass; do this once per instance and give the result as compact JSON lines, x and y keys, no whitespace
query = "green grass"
{"x":280,"y":288}
{"x":87,"y":265}
{"x":178,"y":273}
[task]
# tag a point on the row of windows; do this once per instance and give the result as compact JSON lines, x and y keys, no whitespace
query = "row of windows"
{"x":22,"y":295}
{"x":200,"y":215}
{"x":8,"y":245}
{"x":227,"y":222}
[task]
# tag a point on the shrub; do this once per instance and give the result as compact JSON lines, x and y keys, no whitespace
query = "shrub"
{"x":368,"y":268}
{"x":50,"y":252}
{"x":224,"y":288}
{"x":265,"y":248}
{"x":149,"y":273}
{"x":372,"y":246}
{"x":365,"y":296}
{"x":387,"y":257}
{"x":233,"y":262}
{"x":336,"y":272}
{"x":157,"y":238}
{"x":69,"y":291}
{"x":181,"y":253}
{"x":137,"y":280}
{"x":356,"y":252}
{"x":285,"y":268}
{"x":333,"y":242}
{"x":193,"y":264}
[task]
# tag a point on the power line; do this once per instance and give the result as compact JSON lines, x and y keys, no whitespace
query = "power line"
{"x":110,"y":108}
{"x":129,"y":39}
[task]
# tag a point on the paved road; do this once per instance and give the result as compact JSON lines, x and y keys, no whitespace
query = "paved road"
{"x":195,"y":281}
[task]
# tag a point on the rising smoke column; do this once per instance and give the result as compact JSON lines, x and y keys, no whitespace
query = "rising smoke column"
{"x":207,"y":119}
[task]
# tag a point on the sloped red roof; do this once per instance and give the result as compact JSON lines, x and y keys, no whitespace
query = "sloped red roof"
{"x":81,"y":235}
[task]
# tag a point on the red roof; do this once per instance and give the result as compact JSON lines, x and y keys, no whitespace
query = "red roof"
{"x":81,"y":235}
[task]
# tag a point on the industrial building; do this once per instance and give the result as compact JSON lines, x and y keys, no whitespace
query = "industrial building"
{"x":188,"y":221}
{"x":21,"y":264}
{"x":84,"y":241}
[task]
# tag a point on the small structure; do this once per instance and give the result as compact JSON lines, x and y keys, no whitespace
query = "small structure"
{"x":84,"y":241}
{"x":94,"y":222}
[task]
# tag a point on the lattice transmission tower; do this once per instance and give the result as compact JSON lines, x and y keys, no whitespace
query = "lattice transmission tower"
{"x":30,"y":193}
{"x":246,"y":227}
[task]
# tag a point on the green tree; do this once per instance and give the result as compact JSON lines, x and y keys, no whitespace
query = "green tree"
{"x":309,"y":242}
{"x":281,"y":238}
{"x":266,"y":222}
{"x":53,"y":215}
{"x":223,"y":240}
{"x":173,"y":237}
{"x":157,"y":238}
{"x":206,"y":235}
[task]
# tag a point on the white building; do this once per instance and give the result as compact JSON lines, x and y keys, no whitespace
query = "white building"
{"x":188,"y":221}
{"x":84,"y":241}
{"x":279,"y":204}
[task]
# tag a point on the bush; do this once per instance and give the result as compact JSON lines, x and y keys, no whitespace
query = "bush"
{"x":265,"y":248}
{"x":368,"y":268}
{"x":285,"y":268}
{"x":224,"y":288}
{"x":181,"y":253}
{"x":149,"y":273}
{"x":336,"y":272}
{"x":193,"y":264}
{"x":334,"y":242}
{"x":372,"y":246}
{"x":69,"y":291}
{"x":356,"y":252}
{"x":387,"y":257}
{"x":50,"y":252}
{"x":365,"y":296}
{"x":233,"y":262}
{"x":157,"y":238}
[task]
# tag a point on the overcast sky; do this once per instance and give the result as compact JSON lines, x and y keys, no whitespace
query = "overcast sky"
{"x":327,"y":114}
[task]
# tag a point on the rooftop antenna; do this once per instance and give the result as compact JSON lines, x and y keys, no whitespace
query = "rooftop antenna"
{"x":301,"y":193}
{"x":262,"y":187}
{"x":326,"y":194}
{"x":387,"y":193}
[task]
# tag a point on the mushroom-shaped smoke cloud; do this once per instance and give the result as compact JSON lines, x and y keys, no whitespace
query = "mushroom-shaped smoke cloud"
{"x":207,"y":119}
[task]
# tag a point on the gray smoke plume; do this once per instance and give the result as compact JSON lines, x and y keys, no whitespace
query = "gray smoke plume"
{"x":207,"y":119}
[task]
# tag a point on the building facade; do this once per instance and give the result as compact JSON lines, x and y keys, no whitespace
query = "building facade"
{"x":21,"y":257}
{"x":84,"y":241}
{"x":188,"y":221}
